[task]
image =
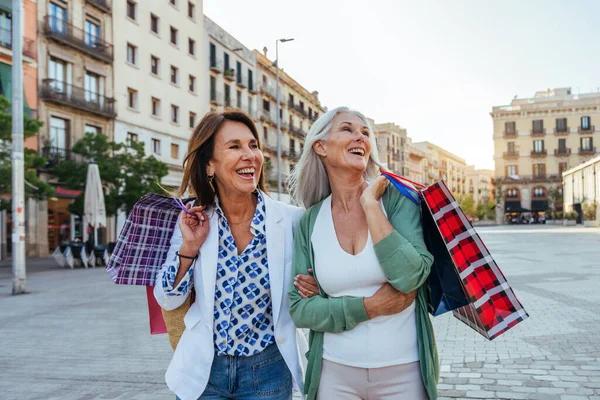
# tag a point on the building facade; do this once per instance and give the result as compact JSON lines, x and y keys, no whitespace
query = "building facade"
{"x":160,"y":86}
{"x":298,"y":107}
{"x":479,"y":184}
{"x":581,"y":187}
{"x":537,"y":139}
{"x":442,"y":164}
{"x":75,"y":59}
{"x":392,"y":146}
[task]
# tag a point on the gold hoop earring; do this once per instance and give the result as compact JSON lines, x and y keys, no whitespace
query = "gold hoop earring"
{"x":210,"y":182}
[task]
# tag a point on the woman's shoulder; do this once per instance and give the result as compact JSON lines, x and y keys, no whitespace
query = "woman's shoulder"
{"x":395,"y":201}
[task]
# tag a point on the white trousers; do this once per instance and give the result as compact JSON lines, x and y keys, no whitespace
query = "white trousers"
{"x":398,"y":382}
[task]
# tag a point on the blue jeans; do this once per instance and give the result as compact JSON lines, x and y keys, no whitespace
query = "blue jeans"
{"x":262,"y":376}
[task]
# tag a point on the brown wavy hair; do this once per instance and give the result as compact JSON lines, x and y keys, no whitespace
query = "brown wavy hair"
{"x":200,"y":152}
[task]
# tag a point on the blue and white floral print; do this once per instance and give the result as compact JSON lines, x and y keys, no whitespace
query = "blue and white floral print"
{"x":243,"y":315}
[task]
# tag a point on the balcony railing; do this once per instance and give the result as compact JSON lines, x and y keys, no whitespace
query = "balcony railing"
{"x":510,"y":154}
{"x":77,"y":97}
{"x":529,"y":179}
{"x":562,"y":131}
{"x":29,"y":48}
{"x":229,"y":74}
{"x":265,"y":115}
{"x":538,"y":153}
{"x":587,"y":151}
{"x":67,"y":34}
{"x":510,"y":133}
{"x":538,"y":132}
{"x":54,"y":155}
{"x":216,"y":98}
{"x":562,"y":152}
{"x":589,"y":129}
{"x":216,"y":66}
{"x":298,"y":109}
{"x":242,"y":81}
{"x":102,"y":5}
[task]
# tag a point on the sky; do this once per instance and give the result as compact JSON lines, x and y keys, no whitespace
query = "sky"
{"x":435,"y":68}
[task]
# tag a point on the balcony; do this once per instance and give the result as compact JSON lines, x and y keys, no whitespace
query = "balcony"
{"x":54,"y":155}
{"x":29,"y":48}
{"x":293,"y":155}
{"x":562,"y":132}
{"x":298,"y":132}
{"x":525,"y":179}
{"x":511,"y":154}
{"x":216,"y":98}
{"x":269,"y":90}
{"x":590,"y":151}
{"x":298,"y":109}
{"x":229,"y":74}
{"x":216,"y":66}
{"x":77,"y":97}
{"x":562,"y":152}
{"x":538,"y":132}
{"x":589,"y":129}
{"x":538,"y":153}
{"x":510,"y":134}
{"x":65,"y":33}
{"x":102,"y":5}
{"x":242,"y":81}
{"x":265,"y":115}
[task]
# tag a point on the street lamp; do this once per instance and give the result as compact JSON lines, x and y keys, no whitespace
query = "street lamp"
{"x":278,"y":116}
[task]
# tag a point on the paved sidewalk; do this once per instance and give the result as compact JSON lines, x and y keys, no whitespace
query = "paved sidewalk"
{"x":78,"y":336}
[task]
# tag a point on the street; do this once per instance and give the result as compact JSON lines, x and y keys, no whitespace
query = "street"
{"x":77,"y":335}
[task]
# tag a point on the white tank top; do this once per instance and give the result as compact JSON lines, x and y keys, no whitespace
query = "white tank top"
{"x":379,"y":342}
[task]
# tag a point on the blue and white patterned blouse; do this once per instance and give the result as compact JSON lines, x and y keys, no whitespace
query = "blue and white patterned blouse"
{"x":243,"y":323}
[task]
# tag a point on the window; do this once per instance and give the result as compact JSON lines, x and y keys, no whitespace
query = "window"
{"x":538,"y":126}
{"x":132,"y":98}
{"x":132,"y":137}
{"x":586,"y":144}
{"x":213,"y":88}
{"x":238,"y":66}
{"x":155,"y":65}
{"x":310,"y":114}
{"x":302,"y":105}
{"x":539,"y":192}
{"x":250,"y":80}
{"x":59,"y":134}
{"x":226,"y":58}
{"x":92,"y":33}
{"x":154,"y":23}
{"x":510,"y":127}
{"x":227,"y":96}
{"x":191,"y":10}
{"x":174,"y":36}
{"x":538,"y":146}
{"x":174,"y":114}
{"x":265,"y":133}
{"x":57,"y":70}
{"x":5,"y":28}
{"x":131,"y":10}
{"x":292,"y":146}
{"x":539,"y":170}
{"x":562,"y":167}
{"x":155,"y":107}
{"x":510,"y":147}
{"x":94,"y":130}
{"x":250,"y":106}
{"x":266,"y":105}
{"x":561,"y":125}
{"x":131,"y":54}
{"x":213,"y":55}
{"x":586,"y":123}
{"x":192,"y":85}
{"x":239,"y":99}
{"x":173,"y":2}
{"x":156,"y":146}
{"x":191,"y":46}
{"x":91,"y":85}
{"x":562,"y":145}
{"x":174,"y":75}
{"x":265,"y":81}
{"x":512,"y":193}
{"x":192,"y":119}
{"x":174,"y":151}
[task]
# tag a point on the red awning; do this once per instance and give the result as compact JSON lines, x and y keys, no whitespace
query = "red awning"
{"x":68,"y":193}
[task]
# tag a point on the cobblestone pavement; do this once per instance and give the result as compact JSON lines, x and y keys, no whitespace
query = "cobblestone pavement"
{"x":78,"y":336}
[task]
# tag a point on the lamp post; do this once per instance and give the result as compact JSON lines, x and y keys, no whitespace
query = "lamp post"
{"x":278,"y":116}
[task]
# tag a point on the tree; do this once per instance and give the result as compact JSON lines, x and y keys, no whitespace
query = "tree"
{"x":126,"y":173}
{"x":555,"y":197}
{"x":467,"y":204}
{"x":35,"y":188}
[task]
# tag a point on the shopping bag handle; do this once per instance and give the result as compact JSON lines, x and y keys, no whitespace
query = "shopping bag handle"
{"x":383,"y":171}
{"x":404,"y":188}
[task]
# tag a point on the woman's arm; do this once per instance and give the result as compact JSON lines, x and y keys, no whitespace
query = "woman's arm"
{"x":398,"y":238}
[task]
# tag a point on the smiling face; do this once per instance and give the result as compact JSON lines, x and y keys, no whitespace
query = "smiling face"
{"x":348,"y":146}
{"x":237,"y":160}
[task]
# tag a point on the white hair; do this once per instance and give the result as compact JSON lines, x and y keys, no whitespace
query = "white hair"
{"x":309,"y":183}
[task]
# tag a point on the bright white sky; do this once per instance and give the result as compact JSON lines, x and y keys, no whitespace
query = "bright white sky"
{"x":433,"y":67}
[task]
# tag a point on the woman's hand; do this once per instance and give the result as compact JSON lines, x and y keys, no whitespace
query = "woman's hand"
{"x":306,"y":285}
{"x":388,"y":301}
{"x":194,"y":229}
{"x":372,"y":193}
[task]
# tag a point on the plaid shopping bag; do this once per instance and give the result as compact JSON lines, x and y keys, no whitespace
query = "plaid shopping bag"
{"x":491,"y":306}
{"x":144,"y":241}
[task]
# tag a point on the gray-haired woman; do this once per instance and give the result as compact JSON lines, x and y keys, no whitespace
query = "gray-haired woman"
{"x":369,"y":338}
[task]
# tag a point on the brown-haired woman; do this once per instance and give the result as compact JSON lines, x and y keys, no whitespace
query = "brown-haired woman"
{"x":234,"y":249}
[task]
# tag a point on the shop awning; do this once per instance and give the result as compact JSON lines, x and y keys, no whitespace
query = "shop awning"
{"x":6,"y":86}
{"x":66,"y":193}
{"x":514,"y":207}
{"x":539,"y":205}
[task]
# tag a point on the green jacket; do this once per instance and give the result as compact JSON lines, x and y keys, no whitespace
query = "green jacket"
{"x":406,"y":263}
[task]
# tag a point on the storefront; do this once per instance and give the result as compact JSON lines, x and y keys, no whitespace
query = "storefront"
{"x":581,"y":189}
{"x":62,"y":225}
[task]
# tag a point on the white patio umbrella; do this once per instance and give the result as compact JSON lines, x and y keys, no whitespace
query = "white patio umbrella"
{"x":94,"y":209}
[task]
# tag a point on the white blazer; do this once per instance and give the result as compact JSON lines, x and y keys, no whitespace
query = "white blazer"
{"x":189,"y":370}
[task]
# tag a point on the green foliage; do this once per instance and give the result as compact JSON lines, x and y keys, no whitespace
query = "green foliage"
{"x":126,"y":173}
{"x":499,"y":194}
{"x":467,"y":204}
{"x":571,"y":215}
{"x":589,"y":211}
{"x":35,"y":188}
